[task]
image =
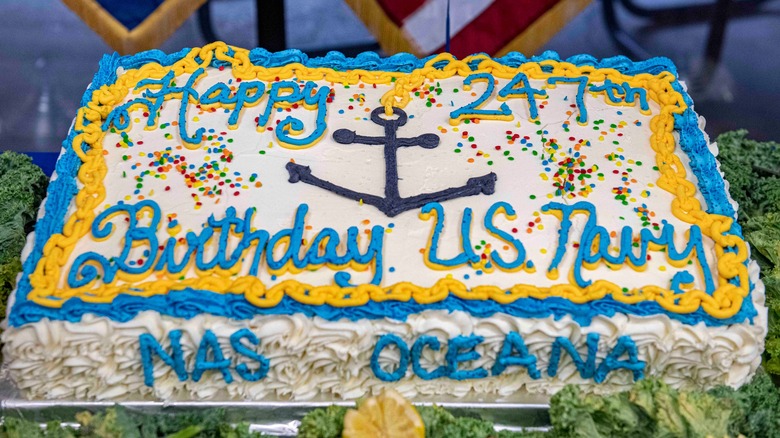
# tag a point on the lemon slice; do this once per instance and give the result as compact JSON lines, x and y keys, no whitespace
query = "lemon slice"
{"x":388,"y":415}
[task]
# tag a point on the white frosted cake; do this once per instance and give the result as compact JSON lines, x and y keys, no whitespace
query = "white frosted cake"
{"x":232,"y":224}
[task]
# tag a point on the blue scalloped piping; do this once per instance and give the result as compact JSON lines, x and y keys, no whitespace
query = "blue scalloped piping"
{"x":189,"y":303}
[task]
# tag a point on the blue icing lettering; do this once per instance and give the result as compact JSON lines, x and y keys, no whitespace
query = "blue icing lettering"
{"x":593,"y":234}
{"x":473,"y":109}
{"x":83,"y":270}
{"x":513,"y":353}
{"x":679,"y":279}
{"x":461,"y":349}
{"x":318,"y":252}
{"x":120,"y":116}
{"x":217,"y":93}
{"x":433,"y":343}
{"x":400,"y":371}
{"x":373,"y":252}
{"x":244,"y":98}
{"x":187,"y":92}
{"x":632,"y":93}
{"x":224,"y":226}
{"x":292,"y":237}
{"x":507,"y":357}
{"x":89,"y":267}
{"x":319,"y":98}
{"x":247,"y":94}
{"x":586,"y":367}
{"x":208,"y":357}
{"x":525,"y":90}
{"x":468,"y":254}
{"x":465,"y":236}
{"x":618,"y":93}
{"x":153,"y":100}
{"x":175,"y":360}
{"x":258,"y":239}
{"x":167,"y":259}
{"x":582,"y":82}
{"x":610,"y":89}
{"x":210,"y":342}
{"x":276,"y":96}
{"x":625,"y":345}
{"x":507,"y":210}
{"x":243,"y":369}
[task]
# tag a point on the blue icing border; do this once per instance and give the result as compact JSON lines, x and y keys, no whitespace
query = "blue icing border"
{"x":189,"y":303}
{"x":710,"y":182}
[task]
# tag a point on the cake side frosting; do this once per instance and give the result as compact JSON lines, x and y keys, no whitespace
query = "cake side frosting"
{"x":475,"y":206}
{"x":731,"y":356}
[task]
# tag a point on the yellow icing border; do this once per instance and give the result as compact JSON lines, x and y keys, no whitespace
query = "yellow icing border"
{"x":725,"y":302}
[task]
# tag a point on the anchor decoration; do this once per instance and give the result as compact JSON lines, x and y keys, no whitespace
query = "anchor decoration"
{"x":392,"y":203}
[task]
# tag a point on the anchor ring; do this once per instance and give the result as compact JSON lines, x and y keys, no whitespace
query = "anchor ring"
{"x":400,"y":121}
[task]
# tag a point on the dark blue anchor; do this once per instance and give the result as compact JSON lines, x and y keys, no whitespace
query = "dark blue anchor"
{"x":392,"y":204}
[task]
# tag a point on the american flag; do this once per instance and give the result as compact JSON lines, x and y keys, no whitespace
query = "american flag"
{"x":491,"y":26}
